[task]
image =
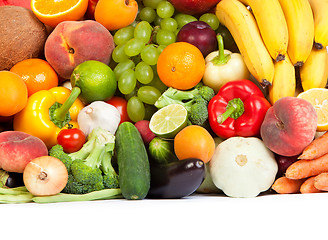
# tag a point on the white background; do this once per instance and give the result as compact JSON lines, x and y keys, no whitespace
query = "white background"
{"x":293,"y":216}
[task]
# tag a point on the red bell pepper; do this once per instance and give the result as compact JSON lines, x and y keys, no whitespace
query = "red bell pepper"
{"x":238,"y":109}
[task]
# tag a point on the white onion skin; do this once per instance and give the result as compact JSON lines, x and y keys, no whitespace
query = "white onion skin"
{"x":45,"y":176}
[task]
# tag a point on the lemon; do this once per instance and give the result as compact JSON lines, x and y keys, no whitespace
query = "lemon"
{"x":169,"y":120}
{"x":318,"y":97}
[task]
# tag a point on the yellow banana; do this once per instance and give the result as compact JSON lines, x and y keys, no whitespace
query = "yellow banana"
{"x":299,"y":17}
{"x":273,"y":26}
{"x":284,"y":80}
{"x":320,"y":14}
{"x":243,"y":27}
{"x":314,"y":72}
{"x":244,"y":2}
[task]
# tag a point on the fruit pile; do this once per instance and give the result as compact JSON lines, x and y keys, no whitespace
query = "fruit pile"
{"x":162,"y":98}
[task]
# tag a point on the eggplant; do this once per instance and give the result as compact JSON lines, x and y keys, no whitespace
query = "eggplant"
{"x":176,"y":179}
{"x":11,"y":179}
{"x":15,"y":180}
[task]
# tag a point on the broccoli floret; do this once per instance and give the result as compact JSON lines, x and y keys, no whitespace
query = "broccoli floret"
{"x":57,"y":151}
{"x":90,"y":168}
{"x":198,"y":114}
{"x":74,"y":187}
{"x":195,"y":101}
{"x":85,"y":174}
{"x":206,"y":92}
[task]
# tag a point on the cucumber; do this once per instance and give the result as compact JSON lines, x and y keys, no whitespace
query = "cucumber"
{"x":133,"y":163}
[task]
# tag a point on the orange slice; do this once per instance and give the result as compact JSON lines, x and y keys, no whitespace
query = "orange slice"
{"x":53,"y":12}
{"x":318,"y":97}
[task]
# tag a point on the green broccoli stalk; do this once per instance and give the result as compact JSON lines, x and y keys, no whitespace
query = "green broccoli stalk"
{"x":110,"y":177}
{"x":90,"y":167}
{"x":195,"y":101}
{"x":174,"y":96}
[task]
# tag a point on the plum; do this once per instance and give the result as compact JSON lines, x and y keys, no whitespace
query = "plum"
{"x":199,"y":34}
{"x":284,"y":162}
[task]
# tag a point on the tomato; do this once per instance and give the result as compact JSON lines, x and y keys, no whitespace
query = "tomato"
{"x":121,"y":105}
{"x":71,"y":139}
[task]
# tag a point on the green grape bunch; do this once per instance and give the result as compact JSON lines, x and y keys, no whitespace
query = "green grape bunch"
{"x":137,"y":48}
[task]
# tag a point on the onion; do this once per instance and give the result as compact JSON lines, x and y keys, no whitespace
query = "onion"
{"x":44,"y":176}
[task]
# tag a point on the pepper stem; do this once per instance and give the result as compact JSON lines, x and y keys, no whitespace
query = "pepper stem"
{"x":60,"y":113}
{"x":234,"y":109}
{"x":221,"y":58}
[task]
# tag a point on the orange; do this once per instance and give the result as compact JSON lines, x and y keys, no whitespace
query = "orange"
{"x":194,"y":142}
{"x":181,"y":65}
{"x":13,"y":93}
{"x":53,"y":12}
{"x":37,"y":74}
{"x":116,"y":14}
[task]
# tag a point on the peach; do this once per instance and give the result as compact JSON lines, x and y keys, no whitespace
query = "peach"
{"x":17,"y":149}
{"x":21,"y":3}
{"x":73,"y":42}
{"x":289,"y":126}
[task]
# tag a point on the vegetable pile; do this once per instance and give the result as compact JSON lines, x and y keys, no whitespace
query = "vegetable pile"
{"x":163,"y":101}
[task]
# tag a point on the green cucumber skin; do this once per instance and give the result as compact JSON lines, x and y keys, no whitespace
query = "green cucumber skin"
{"x":133,"y":163}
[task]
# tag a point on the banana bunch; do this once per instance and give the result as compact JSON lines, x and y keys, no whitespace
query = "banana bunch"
{"x":278,"y":37}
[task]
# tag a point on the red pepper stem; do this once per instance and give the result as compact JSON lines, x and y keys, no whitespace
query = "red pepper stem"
{"x":60,"y":113}
{"x":234,"y":109}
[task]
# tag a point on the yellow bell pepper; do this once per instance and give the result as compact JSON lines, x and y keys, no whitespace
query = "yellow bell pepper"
{"x":44,"y":118}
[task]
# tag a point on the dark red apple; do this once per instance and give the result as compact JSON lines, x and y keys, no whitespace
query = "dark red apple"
{"x":194,"y":7}
{"x":199,"y":34}
{"x":90,"y":13}
{"x":289,"y":126}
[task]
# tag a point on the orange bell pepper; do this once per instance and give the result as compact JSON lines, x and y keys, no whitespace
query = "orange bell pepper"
{"x":47,"y":112}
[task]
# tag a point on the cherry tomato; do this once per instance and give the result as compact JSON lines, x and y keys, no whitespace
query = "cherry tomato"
{"x":121,"y":105}
{"x":71,"y":139}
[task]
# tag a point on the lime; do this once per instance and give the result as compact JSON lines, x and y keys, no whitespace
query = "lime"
{"x":95,"y":79}
{"x":169,"y":120}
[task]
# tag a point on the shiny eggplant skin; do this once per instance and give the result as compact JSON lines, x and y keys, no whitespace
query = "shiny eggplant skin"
{"x":14,"y":180}
{"x":177,"y":179}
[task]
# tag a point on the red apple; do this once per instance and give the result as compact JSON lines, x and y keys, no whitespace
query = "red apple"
{"x":194,"y":7}
{"x":90,"y":14}
{"x":146,"y":134}
{"x":289,"y":126}
{"x":199,"y":34}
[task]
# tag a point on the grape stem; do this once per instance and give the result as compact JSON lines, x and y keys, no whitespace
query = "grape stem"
{"x":153,"y":33}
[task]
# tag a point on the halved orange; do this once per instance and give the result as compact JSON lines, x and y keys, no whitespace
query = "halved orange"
{"x":53,"y":12}
{"x":318,"y":97}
